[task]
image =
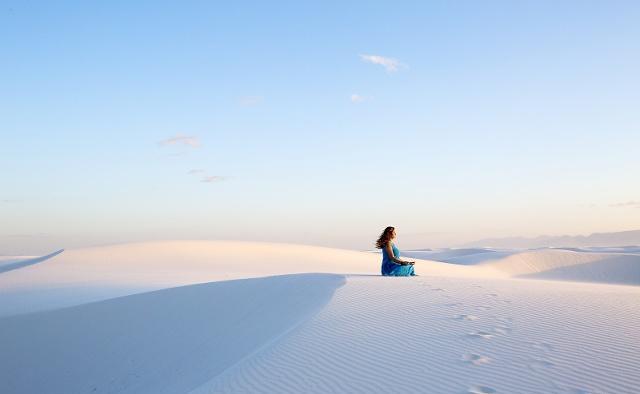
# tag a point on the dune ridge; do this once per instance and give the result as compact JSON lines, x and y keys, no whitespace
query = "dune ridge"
{"x":15,"y":263}
{"x":84,"y":275}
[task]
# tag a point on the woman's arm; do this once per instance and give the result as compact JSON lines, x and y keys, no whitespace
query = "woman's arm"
{"x":393,"y":257}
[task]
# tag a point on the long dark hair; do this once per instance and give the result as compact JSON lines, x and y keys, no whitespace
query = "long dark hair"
{"x":385,"y":237}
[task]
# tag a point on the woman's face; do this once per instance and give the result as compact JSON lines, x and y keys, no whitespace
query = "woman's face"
{"x":393,"y":234}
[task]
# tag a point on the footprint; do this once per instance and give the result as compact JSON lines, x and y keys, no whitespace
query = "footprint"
{"x":492,"y":295}
{"x":437,"y":289}
{"x":475,"y":359}
{"x":483,"y":307}
{"x":481,"y":334}
{"x":481,"y":390}
{"x":452,"y":304}
{"x":466,"y":317}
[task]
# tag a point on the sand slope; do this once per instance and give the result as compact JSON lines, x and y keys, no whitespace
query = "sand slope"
{"x":166,"y":317}
{"x":603,"y":265}
{"x":448,"y":335}
{"x":572,"y":266}
{"x":166,"y":341}
{"x":84,"y":275}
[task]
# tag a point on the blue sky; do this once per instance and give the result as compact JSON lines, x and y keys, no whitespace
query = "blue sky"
{"x":475,"y":119}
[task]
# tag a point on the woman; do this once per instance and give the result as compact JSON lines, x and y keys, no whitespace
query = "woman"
{"x":391,"y":263}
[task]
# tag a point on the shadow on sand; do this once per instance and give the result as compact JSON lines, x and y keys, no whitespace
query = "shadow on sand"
{"x":165,"y":341}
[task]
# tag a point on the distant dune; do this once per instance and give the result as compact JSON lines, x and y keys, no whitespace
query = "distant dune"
{"x":617,"y":265}
{"x":243,"y":317}
{"x":8,"y":264}
{"x":572,"y":266}
{"x":468,"y":256}
{"x":622,"y":238}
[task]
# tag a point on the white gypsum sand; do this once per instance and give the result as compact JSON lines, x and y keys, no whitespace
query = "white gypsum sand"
{"x":222,"y":316}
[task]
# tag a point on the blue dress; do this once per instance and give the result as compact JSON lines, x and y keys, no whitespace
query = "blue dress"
{"x":390,"y":268}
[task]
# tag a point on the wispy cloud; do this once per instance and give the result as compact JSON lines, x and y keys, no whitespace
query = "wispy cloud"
{"x":628,"y":204}
{"x":195,"y":171}
{"x":250,"y":101}
{"x":181,"y":139}
{"x":356,"y":98}
{"x":390,"y":64}
{"x":8,"y":201}
{"x":212,"y":178}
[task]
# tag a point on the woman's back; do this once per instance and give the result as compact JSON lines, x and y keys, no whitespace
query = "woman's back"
{"x":385,"y":255}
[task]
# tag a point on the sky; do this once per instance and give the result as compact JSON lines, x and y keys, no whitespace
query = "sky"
{"x":316,"y":122}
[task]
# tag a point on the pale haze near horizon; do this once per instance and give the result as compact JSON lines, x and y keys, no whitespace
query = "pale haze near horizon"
{"x":317,"y":123}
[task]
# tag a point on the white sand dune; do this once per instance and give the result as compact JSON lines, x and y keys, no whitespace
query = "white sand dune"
{"x":469,"y":256}
{"x":242,"y":317}
{"x":619,"y":265}
{"x":572,"y":266}
{"x":91,"y":274}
